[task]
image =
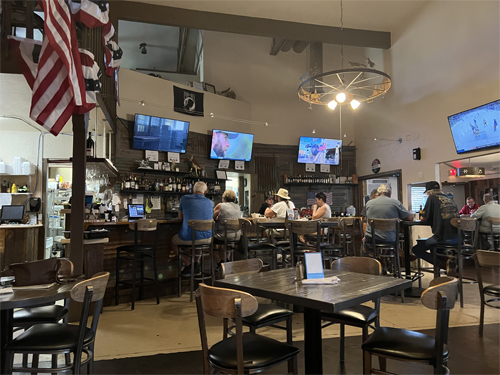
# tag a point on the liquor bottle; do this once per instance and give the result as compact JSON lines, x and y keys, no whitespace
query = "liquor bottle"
{"x":90,"y":145}
{"x":127,"y":183}
{"x":190,"y":187}
{"x":420,"y":213}
{"x":183,"y":186}
{"x":136,"y":184}
{"x":179,"y":186}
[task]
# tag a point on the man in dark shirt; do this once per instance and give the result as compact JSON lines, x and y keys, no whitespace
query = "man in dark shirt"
{"x":438,"y":212}
{"x":267,"y":203}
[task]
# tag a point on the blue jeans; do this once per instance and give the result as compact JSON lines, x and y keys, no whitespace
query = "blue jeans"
{"x":421,"y":248}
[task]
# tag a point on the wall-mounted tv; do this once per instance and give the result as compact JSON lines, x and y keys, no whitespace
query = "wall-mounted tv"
{"x":229,"y":145}
{"x":160,"y":134}
{"x":476,"y":128}
{"x":319,"y":150}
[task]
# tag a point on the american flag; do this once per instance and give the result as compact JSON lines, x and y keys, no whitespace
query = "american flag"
{"x":53,"y":69}
{"x":113,"y":53}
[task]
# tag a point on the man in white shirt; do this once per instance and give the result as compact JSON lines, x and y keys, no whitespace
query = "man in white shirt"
{"x":489,"y":209}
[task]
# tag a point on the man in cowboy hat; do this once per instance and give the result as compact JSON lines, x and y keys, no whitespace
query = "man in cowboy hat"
{"x":279,"y":209}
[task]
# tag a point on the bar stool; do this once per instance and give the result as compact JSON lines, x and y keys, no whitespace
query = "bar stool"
{"x":232,"y":225}
{"x":389,"y":251}
{"x":138,"y":253}
{"x":467,"y":227}
{"x":261,"y":245}
{"x":204,"y":249}
{"x":347,"y":234}
{"x":332,"y":251}
{"x":495,"y":235}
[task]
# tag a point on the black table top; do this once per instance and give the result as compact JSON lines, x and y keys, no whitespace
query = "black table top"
{"x":353,"y":289}
{"x":34,"y":297}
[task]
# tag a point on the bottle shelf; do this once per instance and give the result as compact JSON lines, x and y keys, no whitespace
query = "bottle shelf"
{"x":151,"y":192}
{"x":317,"y":183}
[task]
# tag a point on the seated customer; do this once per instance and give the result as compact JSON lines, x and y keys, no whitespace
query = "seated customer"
{"x":438,"y":212}
{"x":384,"y":207}
{"x":226,"y":210}
{"x":193,"y":207}
{"x":279,"y":210}
{"x":267,"y":203}
{"x":321,"y":210}
{"x":469,"y":208}
{"x":490,"y":209}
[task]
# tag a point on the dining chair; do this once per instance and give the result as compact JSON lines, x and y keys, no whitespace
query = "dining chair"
{"x":361,"y":315}
{"x":346,"y":236}
{"x":491,"y":260}
{"x":411,"y":346}
{"x":330,"y":248}
{"x":254,"y":244}
{"x":242,"y":353}
{"x":193,"y":250}
{"x":303,"y":227}
{"x":55,"y":338}
{"x":460,"y":251}
{"x":267,"y":315}
{"x":138,"y":253}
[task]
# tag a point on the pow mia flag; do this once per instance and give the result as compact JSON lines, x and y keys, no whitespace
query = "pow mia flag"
{"x":188,"y":102}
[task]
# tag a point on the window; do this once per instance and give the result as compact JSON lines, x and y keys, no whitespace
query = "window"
{"x":417,"y":197}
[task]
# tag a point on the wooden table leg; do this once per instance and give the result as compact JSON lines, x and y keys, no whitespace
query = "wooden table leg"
{"x":313,"y":356}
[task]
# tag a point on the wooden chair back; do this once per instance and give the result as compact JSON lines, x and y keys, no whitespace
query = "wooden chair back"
{"x":219,"y":302}
{"x":201,"y":225}
{"x":304,"y":227}
{"x":385,"y":225}
{"x":447,"y":285}
{"x":98,"y":282}
{"x":494,"y":225}
{"x":241,"y":267}
{"x":347,"y":221}
{"x":366,"y":265}
{"x":144,"y":225}
{"x":231,"y":224}
{"x":467,"y":224}
{"x":487,"y":258}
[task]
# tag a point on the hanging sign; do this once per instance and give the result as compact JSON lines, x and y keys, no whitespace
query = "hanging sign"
{"x":376,"y":166}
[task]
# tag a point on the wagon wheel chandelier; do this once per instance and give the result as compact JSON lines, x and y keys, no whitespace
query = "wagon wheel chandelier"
{"x":344,"y":86}
{"x":355,"y":85}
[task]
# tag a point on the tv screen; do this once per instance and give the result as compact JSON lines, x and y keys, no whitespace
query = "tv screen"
{"x":476,"y":128}
{"x":160,"y":134}
{"x":229,"y":145}
{"x":319,"y":150}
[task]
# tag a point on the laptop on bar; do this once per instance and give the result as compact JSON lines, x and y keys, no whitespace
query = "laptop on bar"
{"x":135,"y":212}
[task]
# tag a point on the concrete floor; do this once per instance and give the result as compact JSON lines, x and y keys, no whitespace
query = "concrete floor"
{"x":172,"y":326}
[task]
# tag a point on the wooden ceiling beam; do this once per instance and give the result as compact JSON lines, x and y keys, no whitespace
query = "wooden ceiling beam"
{"x":209,"y":21}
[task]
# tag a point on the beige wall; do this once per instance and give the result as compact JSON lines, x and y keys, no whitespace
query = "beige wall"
{"x":445,"y":61}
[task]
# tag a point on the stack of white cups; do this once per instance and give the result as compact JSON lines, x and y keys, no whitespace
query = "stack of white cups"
{"x":17,"y":165}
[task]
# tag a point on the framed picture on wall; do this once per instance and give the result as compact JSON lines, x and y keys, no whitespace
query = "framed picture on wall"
{"x":209,"y":88}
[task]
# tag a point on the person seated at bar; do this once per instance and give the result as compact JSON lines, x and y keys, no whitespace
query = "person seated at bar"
{"x":193,"y":207}
{"x":469,"y":208}
{"x":226,"y":210}
{"x":489,"y":209}
{"x":438,"y":212}
{"x":321,"y":210}
{"x":384,"y":207}
{"x":267,"y":203}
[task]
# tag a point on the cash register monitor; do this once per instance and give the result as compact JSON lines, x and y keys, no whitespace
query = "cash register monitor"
{"x":12,"y":214}
{"x":135,"y":212}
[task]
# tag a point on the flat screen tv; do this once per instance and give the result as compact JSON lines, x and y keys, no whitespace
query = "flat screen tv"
{"x":319,"y":150}
{"x":229,"y":145}
{"x":476,"y":128}
{"x":160,"y":134}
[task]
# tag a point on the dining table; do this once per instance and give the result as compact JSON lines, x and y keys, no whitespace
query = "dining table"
{"x":279,"y":285}
{"x":21,"y":298}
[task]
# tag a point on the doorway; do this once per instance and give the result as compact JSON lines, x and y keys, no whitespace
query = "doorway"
{"x":373,"y":181}
{"x":240,"y":184}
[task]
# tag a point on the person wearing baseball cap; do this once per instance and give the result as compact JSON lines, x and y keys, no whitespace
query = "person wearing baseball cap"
{"x":220,"y":143}
{"x":438,"y":212}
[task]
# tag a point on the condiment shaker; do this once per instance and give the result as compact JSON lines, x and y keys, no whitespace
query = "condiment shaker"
{"x":299,"y":271}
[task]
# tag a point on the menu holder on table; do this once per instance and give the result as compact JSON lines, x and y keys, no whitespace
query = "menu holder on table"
{"x":314,"y":266}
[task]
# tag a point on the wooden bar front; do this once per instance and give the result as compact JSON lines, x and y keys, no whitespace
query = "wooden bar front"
{"x":20,"y":243}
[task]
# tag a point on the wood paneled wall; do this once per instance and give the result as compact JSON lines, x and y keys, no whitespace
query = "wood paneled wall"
{"x":476,"y":189}
{"x":269,"y":165}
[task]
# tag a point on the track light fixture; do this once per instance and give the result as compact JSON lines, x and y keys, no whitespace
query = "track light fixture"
{"x":142,"y":47}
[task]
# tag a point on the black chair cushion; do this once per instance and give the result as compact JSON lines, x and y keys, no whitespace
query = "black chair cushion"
{"x":282,"y":243}
{"x":261,"y":246}
{"x":130,"y":248}
{"x":37,"y":315}
{"x":266,"y":313}
{"x":492,"y":290}
{"x":356,"y":314}
{"x":49,"y":336}
{"x":258,"y":351}
{"x":401,"y":343}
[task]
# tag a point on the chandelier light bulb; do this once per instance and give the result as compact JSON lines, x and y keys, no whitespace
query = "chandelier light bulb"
{"x":332,"y":104}
{"x":354,"y":104}
{"x":143,"y":103}
{"x":340,"y":97}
